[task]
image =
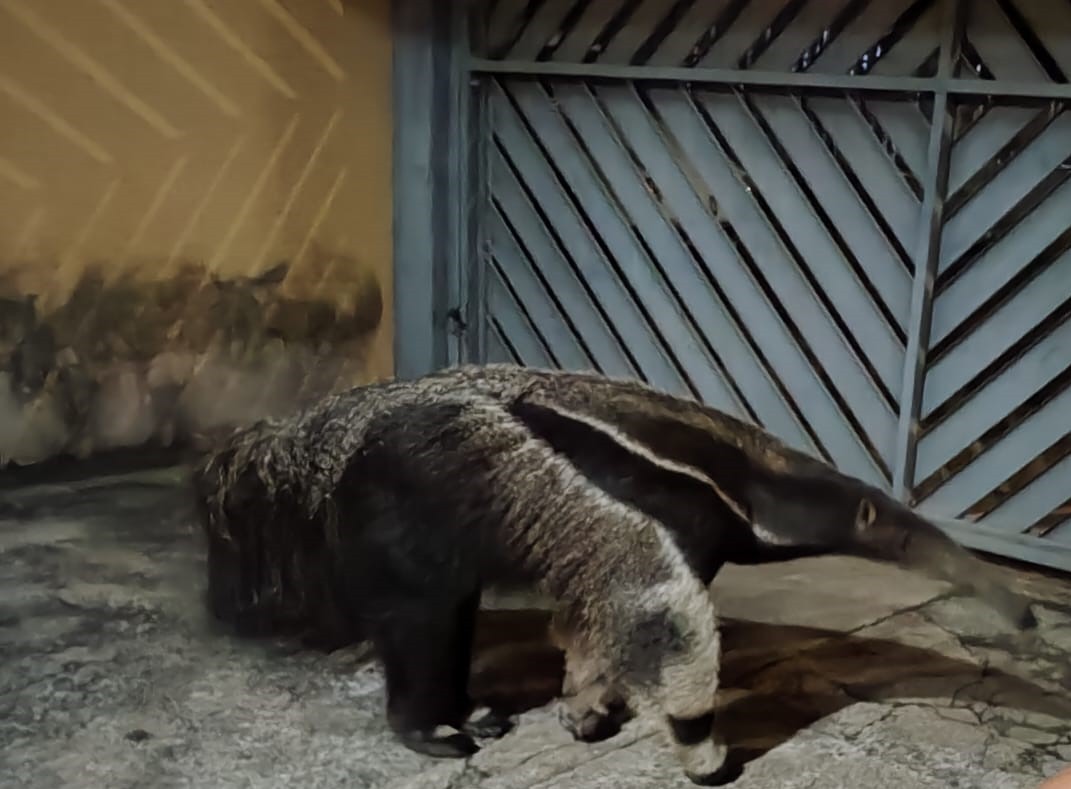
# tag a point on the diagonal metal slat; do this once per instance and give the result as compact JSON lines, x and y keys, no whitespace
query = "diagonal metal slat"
{"x":898,"y":207}
{"x":792,"y":213}
{"x":620,"y":21}
{"x":734,"y":39}
{"x":1010,"y":454}
{"x":534,"y":296}
{"x":636,"y":265}
{"x":905,"y":127}
{"x":1061,"y":534}
{"x":997,"y":334}
{"x":1058,"y":528}
{"x":977,"y":147}
{"x":994,"y":401}
{"x":506,"y":24}
{"x":755,"y":314}
{"x":568,"y":223}
{"x":1014,"y":182}
{"x":841,"y":51}
{"x":623,"y":47}
{"x":572,"y":290}
{"x":698,"y":298}
{"x":844,"y":298}
{"x":1047,"y":35}
{"x":780,"y":25}
{"x":574,"y":40}
{"x":908,"y":43}
{"x":818,"y":45}
{"x":541,"y":30}
{"x":735,"y":211}
{"x":969,"y":64}
{"x":670,"y":42}
{"x":498,"y":350}
{"x":801,"y":23}
{"x":999,"y":45}
{"x":710,"y":34}
{"x":1035,"y":501}
{"x":605,"y":175}
{"x":1022,"y":140}
{"x":515,"y":324}
{"x":862,"y":235}
{"x":1000,"y":263}
{"x":577,"y":39}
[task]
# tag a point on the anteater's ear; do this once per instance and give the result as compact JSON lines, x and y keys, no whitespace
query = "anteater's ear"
{"x":865,"y":515}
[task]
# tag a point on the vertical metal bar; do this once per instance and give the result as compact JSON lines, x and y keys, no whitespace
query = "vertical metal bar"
{"x":927,"y":251}
{"x":454,"y":153}
{"x":421,"y":105}
{"x":473,"y":255}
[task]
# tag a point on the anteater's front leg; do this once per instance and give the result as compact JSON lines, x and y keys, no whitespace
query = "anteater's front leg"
{"x":426,"y":648}
{"x":592,"y":708}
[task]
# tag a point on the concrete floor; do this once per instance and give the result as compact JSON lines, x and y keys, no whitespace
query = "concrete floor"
{"x":837,"y":673}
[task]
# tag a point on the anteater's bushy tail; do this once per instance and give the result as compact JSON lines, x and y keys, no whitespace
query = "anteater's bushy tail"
{"x":268,"y":572}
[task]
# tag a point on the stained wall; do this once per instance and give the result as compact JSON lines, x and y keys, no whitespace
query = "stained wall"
{"x":195,"y":215}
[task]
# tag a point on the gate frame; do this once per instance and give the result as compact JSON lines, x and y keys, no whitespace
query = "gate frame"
{"x":439,"y":185}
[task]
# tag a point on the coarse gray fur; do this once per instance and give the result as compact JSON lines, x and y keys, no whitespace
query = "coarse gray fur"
{"x":513,"y":510}
{"x":788,"y":504}
{"x":570,"y":516}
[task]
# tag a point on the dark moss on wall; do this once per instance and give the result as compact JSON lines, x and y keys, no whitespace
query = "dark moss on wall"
{"x":124,"y":363}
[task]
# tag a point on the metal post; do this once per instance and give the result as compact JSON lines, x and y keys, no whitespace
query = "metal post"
{"x":927,"y":252}
{"x":431,"y":209}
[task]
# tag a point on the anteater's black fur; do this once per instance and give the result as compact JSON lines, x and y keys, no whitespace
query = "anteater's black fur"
{"x":383,"y":512}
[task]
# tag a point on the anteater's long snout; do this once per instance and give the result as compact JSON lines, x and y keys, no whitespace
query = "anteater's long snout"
{"x":917,"y":544}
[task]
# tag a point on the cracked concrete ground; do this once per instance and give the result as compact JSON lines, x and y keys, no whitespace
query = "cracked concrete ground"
{"x":837,"y":673}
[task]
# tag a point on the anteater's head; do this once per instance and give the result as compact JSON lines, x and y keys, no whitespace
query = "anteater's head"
{"x":888,"y":529}
{"x":846,"y":515}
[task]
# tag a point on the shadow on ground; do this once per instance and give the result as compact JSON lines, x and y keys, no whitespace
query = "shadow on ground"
{"x":777,"y":680}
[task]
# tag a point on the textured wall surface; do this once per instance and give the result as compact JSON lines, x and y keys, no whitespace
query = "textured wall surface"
{"x":195,"y":224}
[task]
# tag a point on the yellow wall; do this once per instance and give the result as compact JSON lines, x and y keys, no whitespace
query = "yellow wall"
{"x":184,"y":142}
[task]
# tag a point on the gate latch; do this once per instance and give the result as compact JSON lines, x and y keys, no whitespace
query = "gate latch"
{"x":456,"y":321}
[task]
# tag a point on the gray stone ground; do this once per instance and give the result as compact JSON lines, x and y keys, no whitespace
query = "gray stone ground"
{"x":838,"y":673}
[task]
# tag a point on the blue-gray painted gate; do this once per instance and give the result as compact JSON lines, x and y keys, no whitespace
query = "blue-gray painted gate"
{"x":848,"y":221}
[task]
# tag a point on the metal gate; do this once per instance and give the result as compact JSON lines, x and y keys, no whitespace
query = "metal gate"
{"x":847,"y":221}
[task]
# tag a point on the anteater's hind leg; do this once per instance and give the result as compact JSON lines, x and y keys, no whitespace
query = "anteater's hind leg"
{"x":426,"y":649}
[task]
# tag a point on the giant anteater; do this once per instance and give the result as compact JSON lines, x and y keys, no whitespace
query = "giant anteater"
{"x":383,"y":512}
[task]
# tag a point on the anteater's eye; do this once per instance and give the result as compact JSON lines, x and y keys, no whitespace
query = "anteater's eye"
{"x":866,"y":515}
